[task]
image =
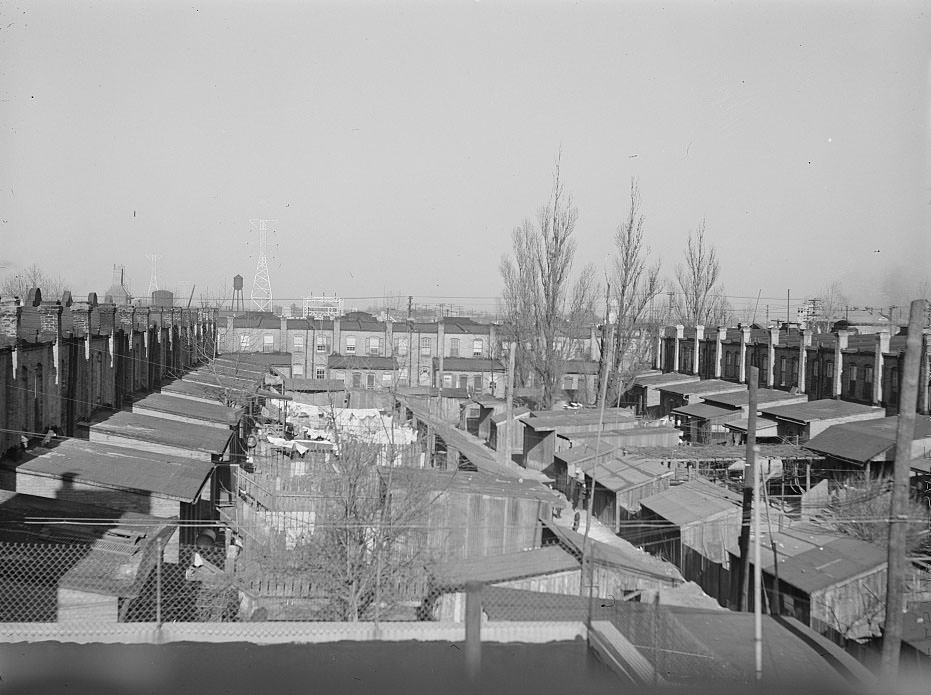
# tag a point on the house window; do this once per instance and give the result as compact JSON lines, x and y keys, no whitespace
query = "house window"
{"x":783,"y":371}
{"x":829,"y":370}
{"x":793,"y":374}
{"x":350,"y":344}
{"x":320,"y":372}
{"x":852,"y":381}
{"x":268,"y":343}
{"x":297,"y":369}
{"x":454,"y":347}
{"x":447,"y":381}
{"x":477,"y":382}
{"x":369,"y":381}
{"x":374,"y":345}
{"x":400,"y":346}
{"x":567,"y":384}
{"x":867,"y":383}
{"x":425,"y":346}
{"x":402,"y":373}
{"x":894,"y":386}
{"x":729,"y":365}
{"x":244,"y":342}
{"x":478,"y":347}
{"x":323,"y":343}
{"x":463,"y":381}
{"x":299,"y":343}
{"x":356,"y":379}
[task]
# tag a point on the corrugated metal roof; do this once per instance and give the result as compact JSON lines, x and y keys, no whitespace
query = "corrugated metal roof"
{"x":862,"y":441}
{"x":501,"y":568}
{"x":542,"y":420}
{"x":764,"y":426}
{"x":479,"y":483}
{"x":721,"y":452}
{"x":703,"y":411}
{"x":80,"y":461}
{"x":824,"y":409}
{"x":622,"y":474}
{"x":691,"y":502}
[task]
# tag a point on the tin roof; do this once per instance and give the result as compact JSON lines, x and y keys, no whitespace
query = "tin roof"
{"x":469,"y":364}
{"x":831,"y":564}
{"x":172,"y":405}
{"x":694,"y":501}
{"x":736,"y":399}
{"x":479,"y":483}
{"x":659,"y":380}
{"x":864,"y":440}
{"x":704,"y":411}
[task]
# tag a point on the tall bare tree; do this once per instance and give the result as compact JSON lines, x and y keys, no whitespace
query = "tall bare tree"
{"x":699,"y":300}
{"x":544,"y":308}
{"x":18,"y":284}
{"x":634,"y":284}
{"x":829,"y":307}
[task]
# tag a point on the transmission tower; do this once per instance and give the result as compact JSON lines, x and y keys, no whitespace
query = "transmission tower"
{"x":153,"y":277}
{"x":262,"y":285}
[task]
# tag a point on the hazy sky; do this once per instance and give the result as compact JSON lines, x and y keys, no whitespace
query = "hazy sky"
{"x":398,"y":144}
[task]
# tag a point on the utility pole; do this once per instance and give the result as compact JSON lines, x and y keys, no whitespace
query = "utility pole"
{"x":744,"y":540}
{"x":509,"y":407}
{"x":905,"y":433}
{"x":410,"y":346}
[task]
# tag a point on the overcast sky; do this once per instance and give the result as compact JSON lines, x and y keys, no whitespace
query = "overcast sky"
{"x":397,"y":145}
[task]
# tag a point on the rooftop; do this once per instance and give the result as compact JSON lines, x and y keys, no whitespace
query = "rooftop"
{"x":469,"y":364}
{"x":146,"y":428}
{"x":337,"y":361}
{"x":509,"y":566}
{"x":736,"y":399}
{"x":700,"y":388}
{"x":694,"y":501}
{"x":824,"y":409}
{"x":704,"y":411}
{"x":77,"y":461}
{"x":834,"y":563}
{"x":172,"y":405}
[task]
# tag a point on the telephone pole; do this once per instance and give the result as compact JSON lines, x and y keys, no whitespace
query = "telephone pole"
{"x":898,"y":519}
{"x":743,"y":542}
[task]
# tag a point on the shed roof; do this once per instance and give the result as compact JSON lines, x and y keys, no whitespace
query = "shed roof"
{"x":516,"y":412}
{"x":543,"y":420}
{"x":509,"y":566}
{"x":469,"y":364}
{"x":166,"y":403}
{"x":721,"y":452}
{"x":620,"y":474}
{"x":313,"y":385}
{"x":479,"y":483}
{"x":694,"y":501}
{"x":764,"y":426}
{"x":704,"y":411}
{"x":195,"y":390}
{"x":168,"y":432}
{"x":80,"y":461}
{"x":337,"y":361}
{"x":863,"y":440}
{"x":700,"y":388}
{"x":655,"y":380}
{"x":823,"y":409}
{"x":829,"y":565}
{"x":735,"y":399}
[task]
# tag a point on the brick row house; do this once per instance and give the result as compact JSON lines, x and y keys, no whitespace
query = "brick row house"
{"x":859,"y":367}
{"x":364,"y":352}
{"x":63,"y":360}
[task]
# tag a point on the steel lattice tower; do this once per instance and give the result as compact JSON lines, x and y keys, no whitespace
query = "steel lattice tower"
{"x":262,"y":285}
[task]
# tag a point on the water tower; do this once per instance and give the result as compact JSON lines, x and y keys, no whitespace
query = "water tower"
{"x":237,"y":303}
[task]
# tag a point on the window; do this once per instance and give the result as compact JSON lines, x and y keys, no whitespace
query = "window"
{"x":268,"y":343}
{"x":867,"y":383}
{"x":374,"y":345}
{"x":297,"y":369}
{"x":829,"y":369}
{"x":425,"y":346}
{"x":567,"y":384}
{"x":402,"y":373}
{"x":793,"y":372}
{"x":729,"y":370}
{"x":323,"y":343}
{"x":356,"y":379}
{"x":454,"y":347}
{"x":320,"y":373}
{"x":852,"y":381}
{"x":370,"y":381}
{"x":244,"y":342}
{"x":447,"y":381}
{"x":477,"y":382}
{"x":783,"y":371}
{"x":350,"y":344}
{"x":463,"y":381}
{"x":400,"y":346}
{"x":894,"y":386}
{"x":299,"y":343}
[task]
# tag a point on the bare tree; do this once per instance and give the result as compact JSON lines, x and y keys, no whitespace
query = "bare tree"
{"x":634,"y":285}
{"x":544,"y":309}
{"x":19,"y":284}
{"x":699,"y":301}
{"x":829,"y":307}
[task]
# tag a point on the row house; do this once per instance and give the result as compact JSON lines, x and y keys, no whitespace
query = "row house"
{"x":860,"y":367}
{"x":365,"y":352}
{"x":63,"y":360}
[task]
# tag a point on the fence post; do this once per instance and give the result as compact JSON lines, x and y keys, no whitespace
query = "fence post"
{"x":158,"y":585}
{"x":473,"y":629}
